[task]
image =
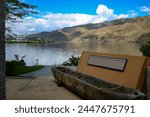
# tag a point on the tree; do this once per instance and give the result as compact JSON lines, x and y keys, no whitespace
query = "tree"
{"x":10,"y":10}
{"x":2,"y":51}
{"x":14,"y":10}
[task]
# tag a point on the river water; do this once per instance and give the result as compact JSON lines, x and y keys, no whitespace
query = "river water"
{"x":57,"y":53}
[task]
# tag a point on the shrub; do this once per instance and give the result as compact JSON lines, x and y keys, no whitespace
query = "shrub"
{"x":20,"y":61}
{"x":10,"y":65}
{"x":145,"y":49}
{"x":73,"y":61}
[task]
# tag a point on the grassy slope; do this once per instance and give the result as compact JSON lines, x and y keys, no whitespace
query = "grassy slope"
{"x":17,"y":70}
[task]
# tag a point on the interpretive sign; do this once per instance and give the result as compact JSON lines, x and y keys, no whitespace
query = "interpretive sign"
{"x":126,"y":70}
{"x":108,"y":62}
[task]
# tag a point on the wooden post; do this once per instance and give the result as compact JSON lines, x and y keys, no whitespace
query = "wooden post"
{"x":148,"y":83}
{"x":2,"y":51}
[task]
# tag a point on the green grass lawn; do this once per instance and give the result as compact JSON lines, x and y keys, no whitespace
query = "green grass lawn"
{"x":17,"y":70}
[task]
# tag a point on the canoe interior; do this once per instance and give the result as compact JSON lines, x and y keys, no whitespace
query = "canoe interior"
{"x":78,"y":81}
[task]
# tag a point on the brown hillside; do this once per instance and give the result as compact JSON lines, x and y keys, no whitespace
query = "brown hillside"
{"x":124,"y":30}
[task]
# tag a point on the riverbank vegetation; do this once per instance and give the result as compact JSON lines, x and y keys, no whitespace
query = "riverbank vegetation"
{"x":145,"y":49}
{"x":72,"y":61}
{"x":17,"y":70}
{"x":18,"y":66}
{"x":26,"y":41}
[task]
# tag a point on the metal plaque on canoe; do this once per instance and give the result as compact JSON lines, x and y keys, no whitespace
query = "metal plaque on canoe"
{"x":108,"y":62}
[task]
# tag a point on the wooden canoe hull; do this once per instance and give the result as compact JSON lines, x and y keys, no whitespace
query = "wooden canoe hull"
{"x":92,"y":88}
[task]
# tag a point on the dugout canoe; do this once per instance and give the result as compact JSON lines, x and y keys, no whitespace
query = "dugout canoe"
{"x":92,"y":88}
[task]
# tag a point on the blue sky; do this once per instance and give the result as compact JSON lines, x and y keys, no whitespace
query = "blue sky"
{"x":57,"y":14}
{"x":87,"y":6}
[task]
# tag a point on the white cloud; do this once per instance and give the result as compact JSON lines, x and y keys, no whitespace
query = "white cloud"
{"x":68,"y":19}
{"x":145,"y":9}
{"x":133,"y":13}
{"x":104,"y":11}
{"x":32,"y":29}
{"x":52,"y":21}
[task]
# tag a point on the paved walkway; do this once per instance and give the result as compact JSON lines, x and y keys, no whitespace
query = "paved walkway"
{"x":45,"y":71}
{"x":39,"y":85}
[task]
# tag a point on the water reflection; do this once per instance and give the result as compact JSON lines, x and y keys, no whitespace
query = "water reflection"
{"x":49,"y":54}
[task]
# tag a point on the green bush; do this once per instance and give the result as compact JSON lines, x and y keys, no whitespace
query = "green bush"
{"x":145,"y":49}
{"x":73,"y":61}
{"x":18,"y":66}
{"x":10,"y":65}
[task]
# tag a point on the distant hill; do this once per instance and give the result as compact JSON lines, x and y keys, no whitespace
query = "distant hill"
{"x":124,"y":30}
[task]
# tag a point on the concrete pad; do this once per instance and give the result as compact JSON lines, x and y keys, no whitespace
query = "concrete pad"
{"x":16,"y":83}
{"x":41,"y":88}
{"x":32,"y":95}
